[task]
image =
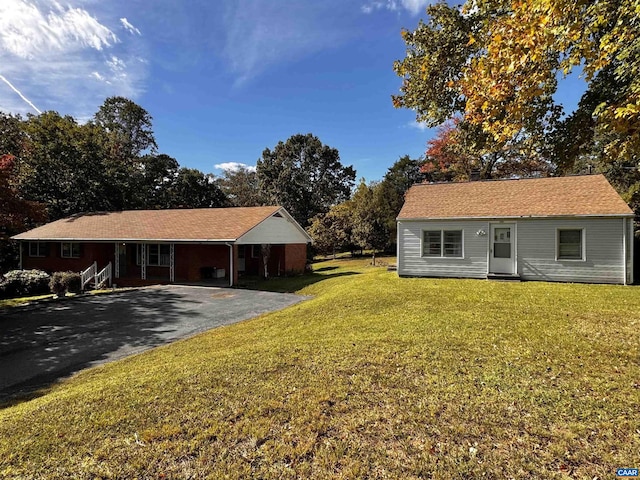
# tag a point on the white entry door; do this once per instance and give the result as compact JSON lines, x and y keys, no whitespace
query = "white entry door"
{"x":502,"y":249}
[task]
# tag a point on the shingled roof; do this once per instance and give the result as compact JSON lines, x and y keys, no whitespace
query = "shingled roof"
{"x":589,"y":195}
{"x":203,"y":224}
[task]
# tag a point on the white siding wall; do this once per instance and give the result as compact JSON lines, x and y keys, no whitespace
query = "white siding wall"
{"x":412,"y":263}
{"x":275,"y":230}
{"x":604,"y":258}
{"x":536,"y":250}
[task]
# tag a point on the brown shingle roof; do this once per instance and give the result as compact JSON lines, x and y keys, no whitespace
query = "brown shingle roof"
{"x":207,"y":224}
{"x":536,"y":197}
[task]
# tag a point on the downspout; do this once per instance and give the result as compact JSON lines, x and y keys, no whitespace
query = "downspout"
{"x":230,"y":245}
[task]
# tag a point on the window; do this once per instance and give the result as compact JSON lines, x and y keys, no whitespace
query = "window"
{"x":256,"y":250}
{"x":570,"y":244}
{"x":70,"y":250}
{"x":432,"y":246}
{"x":157,"y":255}
{"x":38,"y":249}
{"x":442,"y":243}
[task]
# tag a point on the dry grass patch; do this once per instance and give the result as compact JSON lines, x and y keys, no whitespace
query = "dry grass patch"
{"x":376,"y":377}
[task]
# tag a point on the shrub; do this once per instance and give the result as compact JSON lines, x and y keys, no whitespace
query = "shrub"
{"x":62,"y":282}
{"x":21,"y":283}
{"x":73,"y":280}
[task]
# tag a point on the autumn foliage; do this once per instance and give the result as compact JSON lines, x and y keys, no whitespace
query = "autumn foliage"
{"x":15,"y":212}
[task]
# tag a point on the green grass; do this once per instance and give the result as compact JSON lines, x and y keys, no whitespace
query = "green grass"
{"x":14,"y":302}
{"x":375,"y":377}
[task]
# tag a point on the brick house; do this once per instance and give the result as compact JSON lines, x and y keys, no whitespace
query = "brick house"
{"x":138,"y":247}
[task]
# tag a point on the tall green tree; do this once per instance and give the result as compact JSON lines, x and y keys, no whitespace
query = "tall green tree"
{"x":370,"y":231}
{"x":241,"y":187}
{"x":158,"y":181}
{"x":332,"y":231}
{"x":304,"y":176}
{"x":389,"y":193}
{"x":12,"y":135}
{"x":194,"y":189}
{"x":62,"y":165}
{"x":129,"y":136}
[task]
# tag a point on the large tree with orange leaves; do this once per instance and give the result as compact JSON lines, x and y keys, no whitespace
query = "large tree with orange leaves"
{"x":496,"y":63}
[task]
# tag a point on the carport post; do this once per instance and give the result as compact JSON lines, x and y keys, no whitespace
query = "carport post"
{"x":116,"y":261}
{"x":230,"y":245}
{"x":143,"y":261}
{"x":172,"y":262}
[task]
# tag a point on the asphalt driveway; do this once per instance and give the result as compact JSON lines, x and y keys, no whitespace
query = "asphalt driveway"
{"x":41,"y":344}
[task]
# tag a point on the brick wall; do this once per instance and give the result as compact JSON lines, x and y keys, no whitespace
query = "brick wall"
{"x":102,"y":253}
{"x":295,"y":257}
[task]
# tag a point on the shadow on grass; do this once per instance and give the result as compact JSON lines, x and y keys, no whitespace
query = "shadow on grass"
{"x":290,"y":284}
{"x":326,"y":269}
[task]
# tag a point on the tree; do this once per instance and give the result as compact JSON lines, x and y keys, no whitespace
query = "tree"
{"x":129,"y":135}
{"x":331,"y":231}
{"x":128,"y":126}
{"x":438,"y":56}
{"x":12,"y":135}
{"x":369,"y":228}
{"x":529,"y":43}
{"x":16,"y":213}
{"x":389,"y":193}
{"x":497,"y":64}
{"x":459,"y":152}
{"x":194,"y":189}
{"x":304,"y":176}
{"x":62,"y":165}
{"x":158,"y":179}
{"x":241,"y":187}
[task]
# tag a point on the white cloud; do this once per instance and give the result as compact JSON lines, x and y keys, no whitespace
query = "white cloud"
{"x":414,"y":7}
{"x":260,"y":35}
{"x":64,"y":57}
{"x":418,"y":125}
{"x":234,"y":166}
{"x":28,"y":32}
{"x":133,"y":30}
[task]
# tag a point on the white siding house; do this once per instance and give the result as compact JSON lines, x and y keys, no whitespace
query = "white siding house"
{"x":564,"y":229}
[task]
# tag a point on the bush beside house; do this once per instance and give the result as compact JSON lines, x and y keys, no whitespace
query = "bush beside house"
{"x":21,"y":283}
{"x":63,"y":282}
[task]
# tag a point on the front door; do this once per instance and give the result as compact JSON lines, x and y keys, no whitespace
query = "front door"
{"x":502,"y":249}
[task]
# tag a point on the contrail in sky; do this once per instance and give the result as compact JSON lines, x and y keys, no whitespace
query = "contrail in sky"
{"x":19,"y":93}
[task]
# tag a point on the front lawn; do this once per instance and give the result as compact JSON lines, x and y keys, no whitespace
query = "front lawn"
{"x":376,"y":377}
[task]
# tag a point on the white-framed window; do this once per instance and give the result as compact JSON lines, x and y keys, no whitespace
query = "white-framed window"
{"x":442,"y":243}
{"x":157,"y":254}
{"x":70,"y":250}
{"x":570,"y":244}
{"x":38,"y":249}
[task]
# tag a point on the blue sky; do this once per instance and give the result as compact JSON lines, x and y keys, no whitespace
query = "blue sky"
{"x":224,"y":79}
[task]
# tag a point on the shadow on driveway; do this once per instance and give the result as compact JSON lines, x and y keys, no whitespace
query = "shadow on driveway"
{"x":39,"y":345}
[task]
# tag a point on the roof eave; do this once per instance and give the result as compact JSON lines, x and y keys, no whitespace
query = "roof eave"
{"x":515,"y":217}
{"x":109,"y":240}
